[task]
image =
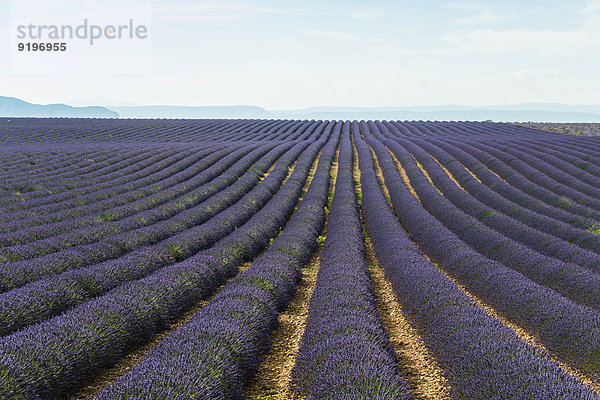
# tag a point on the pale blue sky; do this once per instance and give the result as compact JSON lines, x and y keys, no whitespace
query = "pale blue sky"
{"x":295,"y":54}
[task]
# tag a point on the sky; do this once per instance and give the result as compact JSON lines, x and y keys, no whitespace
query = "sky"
{"x":296,"y":54}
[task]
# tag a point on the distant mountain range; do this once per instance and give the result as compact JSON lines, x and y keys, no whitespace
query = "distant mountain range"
{"x":193,"y":112}
{"x":13,"y":107}
{"x":534,"y":112}
{"x":529,"y":112}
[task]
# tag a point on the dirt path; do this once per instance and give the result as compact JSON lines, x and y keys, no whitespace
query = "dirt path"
{"x":273,"y":376}
{"x":417,"y":366}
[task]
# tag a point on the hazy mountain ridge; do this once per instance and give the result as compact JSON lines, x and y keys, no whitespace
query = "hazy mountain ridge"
{"x":528,"y":112}
{"x":199,"y":112}
{"x":538,"y":112}
{"x":13,"y":107}
{"x":535,"y":112}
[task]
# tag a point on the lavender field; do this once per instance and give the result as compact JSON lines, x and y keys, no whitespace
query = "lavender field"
{"x":283,"y":259}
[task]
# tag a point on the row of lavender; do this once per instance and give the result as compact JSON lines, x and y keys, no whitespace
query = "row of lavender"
{"x":539,"y":256}
{"x":34,"y":171}
{"x":128,"y":178}
{"x":100,"y":248}
{"x":151,"y":219}
{"x":217,"y":351}
{"x":134,"y":186}
{"x":39,"y":172}
{"x":345,"y":350}
{"x":105,"y":206}
{"x":16,"y":131}
{"x":270,"y":289}
{"x":87,"y":168}
{"x":514,"y":250}
{"x":567,"y":328}
{"x":74,"y":275}
{"x":68,"y":349}
{"x":131,"y":174}
{"x":482,"y":358}
{"x":223,"y":212}
{"x":498,"y":348}
{"x":214,"y":354}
